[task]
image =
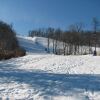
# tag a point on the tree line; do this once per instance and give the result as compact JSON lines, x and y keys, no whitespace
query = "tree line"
{"x":9,"y":46}
{"x":73,"y":40}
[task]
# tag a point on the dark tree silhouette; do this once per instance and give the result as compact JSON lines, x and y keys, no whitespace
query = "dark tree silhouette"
{"x":9,"y":46}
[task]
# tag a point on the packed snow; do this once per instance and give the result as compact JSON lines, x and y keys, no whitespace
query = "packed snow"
{"x":42,"y":76}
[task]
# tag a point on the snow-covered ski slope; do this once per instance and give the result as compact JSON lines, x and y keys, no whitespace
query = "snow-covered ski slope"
{"x":32,"y":45}
{"x":42,"y":76}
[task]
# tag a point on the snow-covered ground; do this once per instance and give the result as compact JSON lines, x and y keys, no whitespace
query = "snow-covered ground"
{"x":42,"y":76}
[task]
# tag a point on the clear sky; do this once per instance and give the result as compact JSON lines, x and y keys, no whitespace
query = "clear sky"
{"x":26,"y":15}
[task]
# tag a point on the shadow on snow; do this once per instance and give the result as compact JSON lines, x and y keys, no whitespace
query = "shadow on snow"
{"x":50,"y":83}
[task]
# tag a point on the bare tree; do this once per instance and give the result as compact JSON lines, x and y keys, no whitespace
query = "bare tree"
{"x":95,"y":29}
{"x":65,"y":41}
{"x":75,"y":30}
{"x":49,"y":35}
{"x":58,"y":33}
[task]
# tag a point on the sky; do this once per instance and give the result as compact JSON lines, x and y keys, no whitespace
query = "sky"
{"x":27,"y":15}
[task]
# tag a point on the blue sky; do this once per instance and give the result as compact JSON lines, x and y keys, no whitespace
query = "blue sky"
{"x":26,"y":15}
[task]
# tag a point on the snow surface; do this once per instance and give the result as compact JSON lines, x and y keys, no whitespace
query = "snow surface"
{"x":42,"y":76}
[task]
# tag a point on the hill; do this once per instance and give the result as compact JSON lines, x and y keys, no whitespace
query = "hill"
{"x":43,"y":76}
